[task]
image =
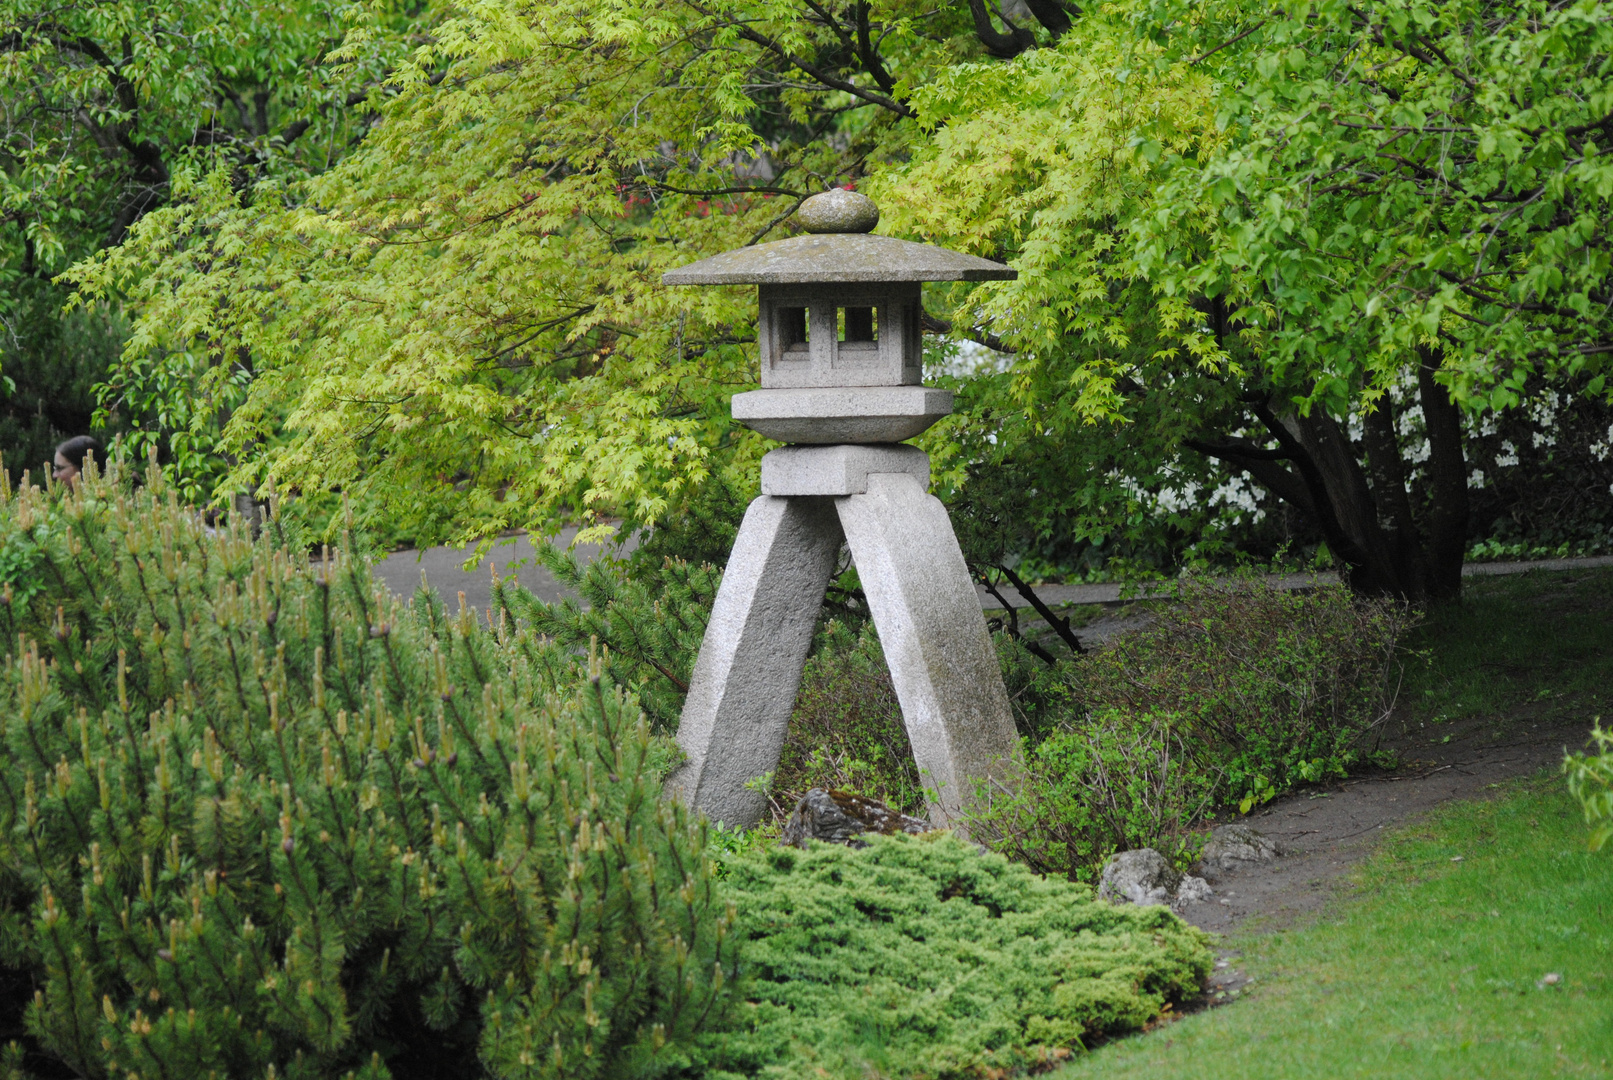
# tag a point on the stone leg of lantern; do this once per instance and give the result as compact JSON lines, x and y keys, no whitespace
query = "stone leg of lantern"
{"x":942,"y":663}
{"x":744,"y":683}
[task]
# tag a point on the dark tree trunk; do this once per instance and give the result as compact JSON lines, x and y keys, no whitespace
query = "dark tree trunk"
{"x":1366,"y":513}
{"x":1005,"y":46}
{"x":1388,"y":472}
{"x":1369,"y":556}
{"x":1447,"y":517}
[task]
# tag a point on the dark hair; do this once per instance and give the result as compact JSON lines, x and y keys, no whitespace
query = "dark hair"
{"x":75,"y":448}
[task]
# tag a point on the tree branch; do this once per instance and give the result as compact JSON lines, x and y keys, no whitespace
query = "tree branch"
{"x":1051,"y":14}
{"x":758,"y":38}
{"x":708,"y":193}
{"x":1227,"y":43}
{"x":1241,"y":450}
{"x":865,"y":49}
{"x":979,"y":337}
{"x":1001,"y":45}
{"x":1060,"y":626}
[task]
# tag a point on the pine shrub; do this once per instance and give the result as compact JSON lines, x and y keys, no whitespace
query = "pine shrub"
{"x":921,"y":958}
{"x":650,"y":608}
{"x":651,"y":621}
{"x":257,"y":818}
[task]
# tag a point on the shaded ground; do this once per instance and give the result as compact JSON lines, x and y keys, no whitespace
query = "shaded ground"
{"x":1325,"y":830}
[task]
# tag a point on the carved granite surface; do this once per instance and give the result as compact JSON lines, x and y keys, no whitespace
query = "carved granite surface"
{"x":818,"y":257}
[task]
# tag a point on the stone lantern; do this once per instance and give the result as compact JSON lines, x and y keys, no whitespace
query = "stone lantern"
{"x":842,"y":382}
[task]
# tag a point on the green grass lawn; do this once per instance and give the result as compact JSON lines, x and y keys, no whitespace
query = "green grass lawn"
{"x":1533,"y":646}
{"x":1433,"y":969}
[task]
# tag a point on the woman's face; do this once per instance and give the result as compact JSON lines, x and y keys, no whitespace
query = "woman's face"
{"x":65,"y":472}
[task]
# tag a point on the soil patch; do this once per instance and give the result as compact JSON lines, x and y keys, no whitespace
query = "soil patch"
{"x":1511,"y":680}
{"x":1324,"y":831}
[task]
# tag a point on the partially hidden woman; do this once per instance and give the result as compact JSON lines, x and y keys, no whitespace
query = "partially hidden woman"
{"x":70,"y":458}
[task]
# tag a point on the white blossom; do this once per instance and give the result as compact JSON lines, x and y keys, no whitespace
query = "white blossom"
{"x":1410,"y":421}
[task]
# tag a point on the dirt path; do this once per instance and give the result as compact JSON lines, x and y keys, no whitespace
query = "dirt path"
{"x":1325,"y":830}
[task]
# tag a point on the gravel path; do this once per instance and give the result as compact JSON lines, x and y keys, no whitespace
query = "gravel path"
{"x":444,"y":571}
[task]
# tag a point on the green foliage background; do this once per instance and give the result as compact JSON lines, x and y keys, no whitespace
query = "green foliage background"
{"x":105,"y":108}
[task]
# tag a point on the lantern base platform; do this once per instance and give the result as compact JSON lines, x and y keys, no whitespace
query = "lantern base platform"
{"x":862,"y":414}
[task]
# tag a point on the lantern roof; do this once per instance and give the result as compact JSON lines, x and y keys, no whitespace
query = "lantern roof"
{"x":838,"y":248}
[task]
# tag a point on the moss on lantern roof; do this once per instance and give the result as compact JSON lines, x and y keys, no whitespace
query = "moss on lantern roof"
{"x":826,"y":257}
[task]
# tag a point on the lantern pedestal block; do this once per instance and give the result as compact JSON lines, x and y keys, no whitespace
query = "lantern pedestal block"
{"x":923,"y":603}
{"x":838,"y":470}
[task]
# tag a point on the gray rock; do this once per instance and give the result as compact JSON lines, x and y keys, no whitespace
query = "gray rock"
{"x":838,"y":211}
{"x":841,"y":817}
{"x":1192,"y":890}
{"x":1234,"y":846}
{"x":1144,"y":877}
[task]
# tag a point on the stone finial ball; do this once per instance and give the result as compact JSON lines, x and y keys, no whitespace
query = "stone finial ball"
{"x":838,"y":211}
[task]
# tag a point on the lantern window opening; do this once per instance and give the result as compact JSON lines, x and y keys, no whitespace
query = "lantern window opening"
{"x":858,"y":325}
{"x":795,"y":331}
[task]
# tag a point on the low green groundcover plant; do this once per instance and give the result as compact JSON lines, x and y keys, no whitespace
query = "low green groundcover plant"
{"x":921,"y":958}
